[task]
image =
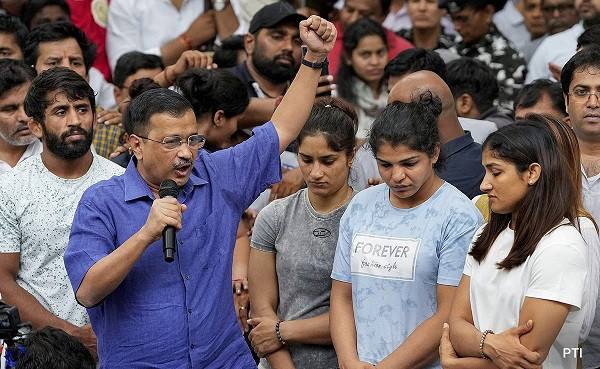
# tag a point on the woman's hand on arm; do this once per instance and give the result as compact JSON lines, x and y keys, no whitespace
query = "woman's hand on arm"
{"x":264,"y":298}
{"x":465,"y":337}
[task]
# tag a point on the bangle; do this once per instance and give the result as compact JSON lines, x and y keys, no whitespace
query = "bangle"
{"x":278,"y":101}
{"x":278,"y":334}
{"x":167,"y":78}
{"x":488,"y":331}
{"x":187,"y":43}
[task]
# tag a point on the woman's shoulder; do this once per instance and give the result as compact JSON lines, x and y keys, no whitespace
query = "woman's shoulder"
{"x":279,"y":206}
{"x":454,"y":203}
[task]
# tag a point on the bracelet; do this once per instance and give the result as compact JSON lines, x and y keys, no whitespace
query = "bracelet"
{"x":488,"y":331}
{"x":278,"y":101}
{"x":317,"y":65}
{"x":187,"y":43}
{"x":278,"y":334}
{"x":237,"y":279}
{"x":167,"y":78}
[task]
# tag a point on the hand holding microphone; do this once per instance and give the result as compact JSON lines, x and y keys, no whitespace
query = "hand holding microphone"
{"x":165,"y":216}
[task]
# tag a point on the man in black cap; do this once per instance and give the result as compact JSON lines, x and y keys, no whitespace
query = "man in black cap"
{"x":273,"y":46}
{"x":480,"y":39}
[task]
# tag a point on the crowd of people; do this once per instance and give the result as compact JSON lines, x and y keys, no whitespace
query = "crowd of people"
{"x":357,"y":184}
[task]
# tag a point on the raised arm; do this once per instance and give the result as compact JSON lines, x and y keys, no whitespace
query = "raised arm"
{"x":289,"y":117}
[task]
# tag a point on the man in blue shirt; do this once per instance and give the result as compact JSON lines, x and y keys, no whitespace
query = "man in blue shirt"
{"x":145,"y":312}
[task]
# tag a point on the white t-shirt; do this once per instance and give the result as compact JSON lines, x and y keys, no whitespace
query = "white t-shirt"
{"x":32,"y":149}
{"x":555,"y":271}
{"x":36,"y":212}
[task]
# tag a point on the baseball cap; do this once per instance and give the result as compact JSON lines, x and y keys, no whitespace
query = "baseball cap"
{"x":455,"y":6}
{"x":273,"y":14}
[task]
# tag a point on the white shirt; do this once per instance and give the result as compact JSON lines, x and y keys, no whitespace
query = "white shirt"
{"x":32,"y":149}
{"x":104,"y":91}
{"x":555,"y":271}
{"x":591,"y":202}
{"x":146,"y":25}
{"x":36,"y":212}
{"x":557,"y":48}
{"x":479,"y":129}
{"x":511,"y":24}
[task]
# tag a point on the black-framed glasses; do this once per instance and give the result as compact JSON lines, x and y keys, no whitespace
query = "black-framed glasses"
{"x":560,"y":7}
{"x":174,"y":142}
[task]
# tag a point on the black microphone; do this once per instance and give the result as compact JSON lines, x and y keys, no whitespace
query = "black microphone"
{"x":168,"y":188}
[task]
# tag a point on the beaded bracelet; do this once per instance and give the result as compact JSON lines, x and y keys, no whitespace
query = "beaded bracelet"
{"x":278,"y":101}
{"x":278,"y":334}
{"x":489,"y":331}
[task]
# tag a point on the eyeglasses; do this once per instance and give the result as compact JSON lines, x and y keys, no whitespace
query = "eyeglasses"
{"x":583,"y":95}
{"x":549,"y":9}
{"x":174,"y":142}
{"x":462,"y":19}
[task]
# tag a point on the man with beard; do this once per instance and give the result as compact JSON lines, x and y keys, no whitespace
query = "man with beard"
{"x":17,"y":143}
{"x":557,"y":49}
{"x":38,"y":201}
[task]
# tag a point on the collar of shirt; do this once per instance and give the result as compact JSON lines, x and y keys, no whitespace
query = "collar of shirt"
{"x":136,"y":187}
{"x":459,"y":143}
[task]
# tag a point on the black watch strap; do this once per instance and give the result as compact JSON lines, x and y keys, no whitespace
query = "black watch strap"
{"x":315,"y":65}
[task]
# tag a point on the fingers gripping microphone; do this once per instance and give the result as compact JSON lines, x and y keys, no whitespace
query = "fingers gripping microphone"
{"x":168,"y":188}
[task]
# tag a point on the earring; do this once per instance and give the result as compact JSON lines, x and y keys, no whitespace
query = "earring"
{"x":531,"y":183}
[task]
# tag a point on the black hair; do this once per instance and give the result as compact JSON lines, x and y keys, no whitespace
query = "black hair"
{"x":137,"y":115}
{"x":414,"y":60}
{"x":14,"y":73}
{"x":12,"y":25}
{"x":413,"y":124}
{"x":473,"y":77}
{"x":533,"y":92}
{"x":58,"y":31}
{"x":226,"y":56}
{"x":52,"y":348}
{"x":355,"y":32}
{"x":32,"y":7}
{"x":336,"y":120}
{"x":129,"y":63}
{"x":210,"y":90}
{"x":385,"y":6}
{"x":476,"y":4}
{"x":546,"y":203}
{"x":59,"y":79}
{"x":140,"y":86}
{"x":588,"y":57}
{"x":590,"y":36}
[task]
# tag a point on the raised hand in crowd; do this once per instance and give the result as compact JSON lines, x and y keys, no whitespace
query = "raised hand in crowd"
{"x":189,"y":59}
{"x":110,"y":117}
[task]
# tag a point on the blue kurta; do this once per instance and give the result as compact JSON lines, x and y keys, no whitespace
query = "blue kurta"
{"x":180,"y":314}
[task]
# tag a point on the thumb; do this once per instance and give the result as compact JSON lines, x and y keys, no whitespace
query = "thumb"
{"x":446,"y":332}
{"x":254,"y":321}
{"x":523,"y":328}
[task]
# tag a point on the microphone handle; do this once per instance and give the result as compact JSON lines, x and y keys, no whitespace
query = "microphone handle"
{"x":169,"y":242}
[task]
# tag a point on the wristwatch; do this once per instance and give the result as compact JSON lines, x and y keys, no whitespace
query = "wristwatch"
{"x":219,"y":5}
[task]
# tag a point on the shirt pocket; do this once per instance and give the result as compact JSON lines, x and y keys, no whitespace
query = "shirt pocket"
{"x":212,"y":242}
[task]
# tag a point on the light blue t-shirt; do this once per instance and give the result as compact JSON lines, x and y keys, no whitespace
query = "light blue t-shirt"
{"x":395,"y":258}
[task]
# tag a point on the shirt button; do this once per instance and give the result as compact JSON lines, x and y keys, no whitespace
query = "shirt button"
{"x":190,"y":311}
{"x":181,"y":242}
{"x":187,"y":277}
{"x":192,"y":346}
